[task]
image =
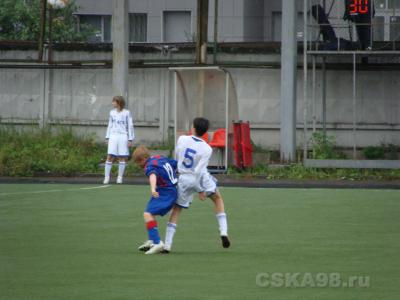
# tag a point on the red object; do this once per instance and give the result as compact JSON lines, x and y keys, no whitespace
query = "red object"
{"x":219,"y":138}
{"x":151,"y":224}
{"x":242,"y":148}
{"x":204,"y":137}
{"x":358,"y":7}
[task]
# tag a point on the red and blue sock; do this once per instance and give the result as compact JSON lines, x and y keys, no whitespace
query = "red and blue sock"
{"x":152,"y":229}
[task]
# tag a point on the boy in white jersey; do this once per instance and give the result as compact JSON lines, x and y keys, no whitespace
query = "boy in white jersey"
{"x":119,"y":137}
{"x":193,"y":155}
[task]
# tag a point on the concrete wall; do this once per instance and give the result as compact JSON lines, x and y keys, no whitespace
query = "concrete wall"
{"x":82,"y":99}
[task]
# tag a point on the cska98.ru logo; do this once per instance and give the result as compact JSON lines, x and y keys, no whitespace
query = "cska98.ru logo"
{"x":358,"y":7}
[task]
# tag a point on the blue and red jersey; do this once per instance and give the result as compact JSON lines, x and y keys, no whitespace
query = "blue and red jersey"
{"x":165,"y":170}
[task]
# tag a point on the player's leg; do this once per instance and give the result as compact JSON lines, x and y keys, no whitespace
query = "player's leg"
{"x":121,"y":169}
{"x":185,"y":197}
{"x":148,"y":217}
{"x":155,"y":244}
{"x":171,"y":227}
{"x":123,"y":153}
{"x":219,"y":209}
{"x":112,"y":152}
{"x":158,"y":206}
{"x":209,"y":185}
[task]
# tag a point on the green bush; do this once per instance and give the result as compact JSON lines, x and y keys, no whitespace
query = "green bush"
{"x":373,"y":152}
{"x":30,"y":152}
{"x":392,"y":151}
{"x":324,"y":147}
{"x":299,"y":172}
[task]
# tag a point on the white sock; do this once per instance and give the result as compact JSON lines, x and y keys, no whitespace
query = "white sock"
{"x":107,"y":168}
{"x":121,"y":168}
{"x":169,"y":235}
{"x":223,"y":225}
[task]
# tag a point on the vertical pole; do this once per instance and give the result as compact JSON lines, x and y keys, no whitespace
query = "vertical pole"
{"x":167,"y":105}
{"x":324,"y":97}
{"x":354,"y":107}
{"x":202,"y":31}
{"x":215,"y":31}
{"x":227,"y":148}
{"x":216,"y":3}
{"x":176,"y":109}
{"x":42,"y":29}
{"x":314,"y":83}
{"x":371,"y":24}
{"x":120,"y":21}
{"x":162,"y":116}
{"x":50,"y":53}
{"x":288,"y":81}
{"x":305,"y":78}
{"x":43,"y":98}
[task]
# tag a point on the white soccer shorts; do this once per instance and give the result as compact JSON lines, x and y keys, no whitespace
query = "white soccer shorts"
{"x":118,"y":145}
{"x":189,"y":185}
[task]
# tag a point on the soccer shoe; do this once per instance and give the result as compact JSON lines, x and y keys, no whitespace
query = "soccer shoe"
{"x":225,"y":241}
{"x":146,"y":246}
{"x":157,"y":248}
{"x":106,"y":180}
{"x":166,"y":250}
{"x":119,"y":180}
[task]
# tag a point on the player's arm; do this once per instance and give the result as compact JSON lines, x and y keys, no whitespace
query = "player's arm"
{"x":131,"y":131}
{"x":153,"y":185}
{"x":109,"y":127}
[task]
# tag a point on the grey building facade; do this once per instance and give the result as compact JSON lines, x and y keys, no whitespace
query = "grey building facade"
{"x":163,"y":21}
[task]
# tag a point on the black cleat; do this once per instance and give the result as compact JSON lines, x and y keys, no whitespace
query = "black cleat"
{"x":225,"y":241}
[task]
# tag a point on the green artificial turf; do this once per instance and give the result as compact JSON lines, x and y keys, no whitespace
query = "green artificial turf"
{"x":65,"y":242}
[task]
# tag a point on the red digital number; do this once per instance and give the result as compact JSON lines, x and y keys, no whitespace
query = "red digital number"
{"x":363,"y":9}
{"x":358,"y":6}
{"x":353,"y":7}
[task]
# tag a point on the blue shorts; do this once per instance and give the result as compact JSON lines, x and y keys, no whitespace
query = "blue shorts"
{"x":163,"y":204}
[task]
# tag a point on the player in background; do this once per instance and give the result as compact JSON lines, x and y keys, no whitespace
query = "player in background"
{"x":162,"y":177}
{"x":119,"y":137}
{"x":193,"y":155}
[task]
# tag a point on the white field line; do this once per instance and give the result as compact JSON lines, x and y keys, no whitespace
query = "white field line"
{"x":55,"y":190}
{"x":309,"y":189}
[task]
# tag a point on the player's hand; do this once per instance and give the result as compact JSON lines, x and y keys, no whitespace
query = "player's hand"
{"x":155,"y":194}
{"x":129,"y":144}
{"x":202,"y":196}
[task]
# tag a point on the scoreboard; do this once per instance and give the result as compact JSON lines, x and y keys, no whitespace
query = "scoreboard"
{"x":358,"y":7}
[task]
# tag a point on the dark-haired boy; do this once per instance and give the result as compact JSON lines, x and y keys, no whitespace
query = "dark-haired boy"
{"x":193,"y":155}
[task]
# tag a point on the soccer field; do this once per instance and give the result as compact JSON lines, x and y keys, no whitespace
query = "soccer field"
{"x":79,"y":242}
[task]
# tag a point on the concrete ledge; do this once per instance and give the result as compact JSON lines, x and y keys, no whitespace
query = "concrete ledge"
{"x":352,"y":164}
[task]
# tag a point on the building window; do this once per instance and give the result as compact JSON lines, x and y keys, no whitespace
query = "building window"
{"x":387,"y":4}
{"x":138,"y":28}
{"x":379,"y":29}
{"x":394,"y":28}
{"x":177,"y":27}
{"x":101,"y":24}
{"x":387,"y":20}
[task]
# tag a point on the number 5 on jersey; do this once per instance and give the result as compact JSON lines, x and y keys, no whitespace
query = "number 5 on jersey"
{"x":189,"y":158}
